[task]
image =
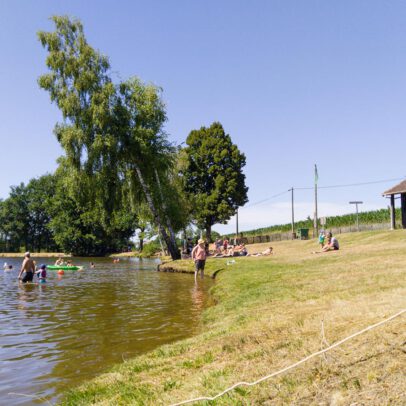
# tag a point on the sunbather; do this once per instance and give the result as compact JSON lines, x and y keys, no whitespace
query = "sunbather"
{"x":268,"y":251}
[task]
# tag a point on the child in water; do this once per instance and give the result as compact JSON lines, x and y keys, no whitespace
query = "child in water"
{"x":42,"y":274}
{"x":7,"y":267}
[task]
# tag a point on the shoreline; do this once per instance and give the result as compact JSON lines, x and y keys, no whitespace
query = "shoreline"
{"x":212,"y":268}
{"x":34,"y":254}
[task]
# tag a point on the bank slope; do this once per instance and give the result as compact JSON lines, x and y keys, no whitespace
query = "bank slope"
{"x":273,"y":311}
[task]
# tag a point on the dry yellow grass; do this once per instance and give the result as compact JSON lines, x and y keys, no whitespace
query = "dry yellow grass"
{"x":269,"y":313}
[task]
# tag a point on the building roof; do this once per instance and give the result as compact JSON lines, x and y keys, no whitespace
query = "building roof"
{"x":399,"y":188}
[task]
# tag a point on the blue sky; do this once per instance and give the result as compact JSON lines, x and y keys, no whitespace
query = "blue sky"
{"x":293,"y":82}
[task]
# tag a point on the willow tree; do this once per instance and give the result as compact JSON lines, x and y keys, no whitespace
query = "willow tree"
{"x":108,"y":130}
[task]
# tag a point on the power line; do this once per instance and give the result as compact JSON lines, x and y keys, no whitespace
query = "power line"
{"x":265,"y":200}
{"x":323,"y":187}
{"x":351,"y":184}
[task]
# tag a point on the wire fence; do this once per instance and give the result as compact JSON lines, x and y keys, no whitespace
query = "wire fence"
{"x":310,"y":234}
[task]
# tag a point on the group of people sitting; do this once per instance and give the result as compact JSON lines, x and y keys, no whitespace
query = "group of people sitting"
{"x":61,"y":262}
{"x":327,"y":242}
{"x":231,"y":251}
{"x":223,"y":249}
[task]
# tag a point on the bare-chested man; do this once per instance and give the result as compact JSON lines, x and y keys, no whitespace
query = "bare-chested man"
{"x":27,"y":269}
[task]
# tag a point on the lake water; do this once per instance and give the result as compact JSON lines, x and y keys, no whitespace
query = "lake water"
{"x":56,"y":335}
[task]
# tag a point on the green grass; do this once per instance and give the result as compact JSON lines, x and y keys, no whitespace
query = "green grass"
{"x":267,"y":314}
{"x":212,"y":267}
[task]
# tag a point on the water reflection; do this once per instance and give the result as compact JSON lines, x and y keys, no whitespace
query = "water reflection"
{"x":198,"y":297}
{"x":55,"y":335}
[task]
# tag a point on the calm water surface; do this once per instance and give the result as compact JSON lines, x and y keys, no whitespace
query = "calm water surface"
{"x":56,"y":335}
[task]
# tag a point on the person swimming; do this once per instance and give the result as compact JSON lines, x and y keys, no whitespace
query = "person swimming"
{"x":59,"y":261}
{"x":7,"y":267}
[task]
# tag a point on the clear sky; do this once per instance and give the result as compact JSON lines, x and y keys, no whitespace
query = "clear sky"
{"x":293,"y":82}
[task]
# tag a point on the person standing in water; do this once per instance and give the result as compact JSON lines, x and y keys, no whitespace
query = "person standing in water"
{"x":199,"y":256}
{"x":42,"y":274}
{"x":27,"y":269}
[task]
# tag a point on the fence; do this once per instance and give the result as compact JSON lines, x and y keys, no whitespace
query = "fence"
{"x":335,"y":230}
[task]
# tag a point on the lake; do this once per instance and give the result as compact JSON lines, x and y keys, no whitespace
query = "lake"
{"x":56,"y":335}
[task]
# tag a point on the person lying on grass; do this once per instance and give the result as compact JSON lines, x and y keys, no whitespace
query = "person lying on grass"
{"x":268,"y":251}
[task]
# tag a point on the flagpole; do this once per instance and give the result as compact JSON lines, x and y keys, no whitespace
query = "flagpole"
{"x":315,"y":222}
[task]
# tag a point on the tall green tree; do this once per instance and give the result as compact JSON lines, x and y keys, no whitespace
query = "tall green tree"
{"x":112,"y":134}
{"x":40,"y":193}
{"x":77,"y":224}
{"x":146,"y":154}
{"x":14,"y":218}
{"x":26,"y":214}
{"x":78,"y":82}
{"x":214,"y":176}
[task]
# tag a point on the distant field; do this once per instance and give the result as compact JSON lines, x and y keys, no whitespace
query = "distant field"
{"x":270,"y":312}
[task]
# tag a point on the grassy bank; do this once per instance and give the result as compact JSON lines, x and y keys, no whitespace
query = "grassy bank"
{"x":273,"y":311}
{"x":213,"y":266}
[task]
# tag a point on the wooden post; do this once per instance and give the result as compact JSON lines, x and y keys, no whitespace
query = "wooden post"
{"x":315,"y":220}
{"x":403,"y":208}
{"x":392,"y":212}
{"x":293,"y":217}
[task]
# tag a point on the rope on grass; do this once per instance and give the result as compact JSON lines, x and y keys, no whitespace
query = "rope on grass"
{"x":315,"y":354}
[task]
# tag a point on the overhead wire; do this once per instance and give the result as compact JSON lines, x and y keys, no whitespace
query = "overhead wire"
{"x":265,"y":200}
{"x":350,"y":184}
{"x":322,"y":187}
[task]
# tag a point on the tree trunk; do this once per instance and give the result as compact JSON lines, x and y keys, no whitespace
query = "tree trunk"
{"x":168,"y":221}
{"x":142,"y":239}
{"x":208,"y":234}
{"x":172,"y":248}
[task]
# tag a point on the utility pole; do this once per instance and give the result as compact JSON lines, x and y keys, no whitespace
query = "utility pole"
{"x":293,"y":216}
{"x":315,"y":222}
{"x":356,"y":211}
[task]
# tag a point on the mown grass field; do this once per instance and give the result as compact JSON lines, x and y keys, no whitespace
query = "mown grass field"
{"x":270,"y":312}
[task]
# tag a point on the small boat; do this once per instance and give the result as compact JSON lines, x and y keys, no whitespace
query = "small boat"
{"x":63,"y":267}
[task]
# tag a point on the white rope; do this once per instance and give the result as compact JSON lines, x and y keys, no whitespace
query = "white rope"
{"x":293,"y":365}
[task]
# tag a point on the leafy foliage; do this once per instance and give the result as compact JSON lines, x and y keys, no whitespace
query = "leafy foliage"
{"x":113,"y":140}
{"x":214,"y":180}
{"x":25,"y":215}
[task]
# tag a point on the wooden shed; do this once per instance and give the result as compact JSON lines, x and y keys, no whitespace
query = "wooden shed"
{"x":399,"y":189}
